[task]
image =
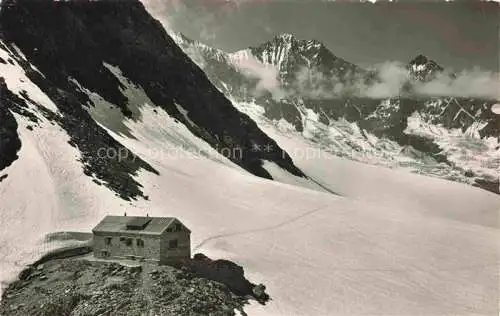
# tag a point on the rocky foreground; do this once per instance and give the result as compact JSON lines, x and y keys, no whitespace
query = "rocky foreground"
{"x":80,"y":286}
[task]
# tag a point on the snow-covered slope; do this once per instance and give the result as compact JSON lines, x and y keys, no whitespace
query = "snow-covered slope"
{"x":78,"y":53}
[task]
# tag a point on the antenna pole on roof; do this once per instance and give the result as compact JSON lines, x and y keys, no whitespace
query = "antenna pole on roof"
{"x":147,"y":215}
{"x":125,"y":214}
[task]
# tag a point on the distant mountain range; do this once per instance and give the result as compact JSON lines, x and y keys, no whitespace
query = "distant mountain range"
{"x":445,"y":136}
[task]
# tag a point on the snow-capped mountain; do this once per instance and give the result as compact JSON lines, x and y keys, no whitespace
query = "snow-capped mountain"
{"x":422,"y":68}
{"x":289,"y":55}
{"x":301,"y":95}
{"x":220,"y":67}
{"x":102,"y":113}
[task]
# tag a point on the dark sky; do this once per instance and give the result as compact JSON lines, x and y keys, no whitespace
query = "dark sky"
{"x":459,"y":35}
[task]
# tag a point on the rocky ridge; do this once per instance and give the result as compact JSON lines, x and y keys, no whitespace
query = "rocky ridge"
{"x":63,"y":47}
{"x":77,"y":286}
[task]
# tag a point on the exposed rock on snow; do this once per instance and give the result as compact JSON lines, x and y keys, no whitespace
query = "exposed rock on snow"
{"x":86,"y":287}
{"x":228,"y":273}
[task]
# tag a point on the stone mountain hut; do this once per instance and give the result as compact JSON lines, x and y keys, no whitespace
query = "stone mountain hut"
{"x":155,"y":239}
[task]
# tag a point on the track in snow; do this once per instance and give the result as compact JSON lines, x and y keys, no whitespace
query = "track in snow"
{"x":267,"y":228}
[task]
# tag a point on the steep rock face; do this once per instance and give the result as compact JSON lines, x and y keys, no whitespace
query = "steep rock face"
{"x":75,"y":39}
{"x":9,"y":140}
{"x":290,"y":55}
{"x":85,"y":134}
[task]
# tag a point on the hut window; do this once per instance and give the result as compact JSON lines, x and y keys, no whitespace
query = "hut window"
{"x":140,"y":243}
{"x":178,"y":227}
{"x":108,"y":241}
{"x":172,"y":244}
{"x":128,"y":242}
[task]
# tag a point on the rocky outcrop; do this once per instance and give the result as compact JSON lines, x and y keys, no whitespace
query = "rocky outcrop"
{"x":9,"y":140}
{"x":226,"y":272}
{"x":63,"y":253}
{"x":81,"y":287}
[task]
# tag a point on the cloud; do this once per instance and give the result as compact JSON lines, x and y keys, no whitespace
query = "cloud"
{"x":266,"y":74}
{"x":496,"y":108}
{"x":473,"y":83}
{"x":393,"y":79}
{"x":314,"y":84}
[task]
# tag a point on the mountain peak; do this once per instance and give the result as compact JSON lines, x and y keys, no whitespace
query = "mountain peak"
{"x":288,"y":37}
{"x":423,"y":68}
{"x":422,"y":60}
{"x":419,"y":60}
{"x":291,"y":55}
